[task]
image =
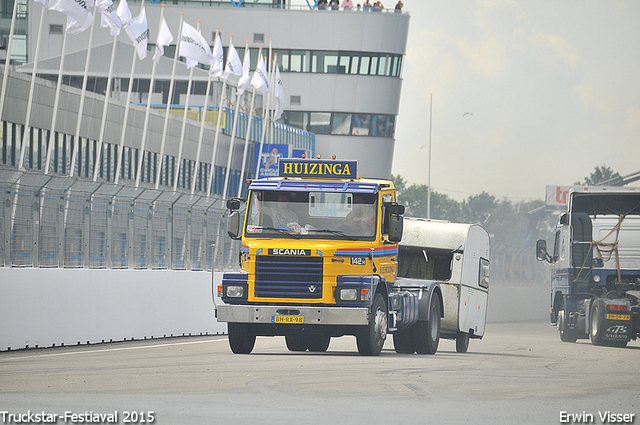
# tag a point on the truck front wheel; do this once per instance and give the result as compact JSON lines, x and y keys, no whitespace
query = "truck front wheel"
{"x":371,"y":338}
{"x":566,"y":334}
{"x":317,"y":343}
{"x":242,"y":338}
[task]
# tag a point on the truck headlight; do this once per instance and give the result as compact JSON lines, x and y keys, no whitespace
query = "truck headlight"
{"x":349,"y":294}
{"x":234,"y":291}
{"x":596,"y":278}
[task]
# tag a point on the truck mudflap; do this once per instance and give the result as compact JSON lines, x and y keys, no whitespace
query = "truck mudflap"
{"x":320,"y":315}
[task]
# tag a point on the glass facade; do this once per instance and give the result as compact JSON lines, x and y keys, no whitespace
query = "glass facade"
{"x":342,"y":123}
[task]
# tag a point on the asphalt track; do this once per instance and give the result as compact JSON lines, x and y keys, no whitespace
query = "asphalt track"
{"x":519,"y":373}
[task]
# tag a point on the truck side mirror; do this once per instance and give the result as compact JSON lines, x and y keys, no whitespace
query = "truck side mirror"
{"x":233,"y":204}
{"x":395,"y":228}
{"x":394,"y":222}
{"x":541,"y":250}
{"x":233,"y":225}
{"x":396,"y":209}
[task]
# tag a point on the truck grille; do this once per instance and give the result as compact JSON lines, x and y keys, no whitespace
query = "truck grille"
{"x":288,"y":277}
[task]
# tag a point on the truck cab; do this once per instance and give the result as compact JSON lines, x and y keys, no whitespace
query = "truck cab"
{"x":317,"y":260}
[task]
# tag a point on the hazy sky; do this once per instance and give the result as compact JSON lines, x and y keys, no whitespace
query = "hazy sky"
{"x":551,"y":88}
{"x":525,"y":93}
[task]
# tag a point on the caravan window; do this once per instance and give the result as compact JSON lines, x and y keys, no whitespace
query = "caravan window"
{"x":420,"y":263}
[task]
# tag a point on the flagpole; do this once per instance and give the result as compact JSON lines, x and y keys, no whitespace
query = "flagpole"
{"x":231,"y":142}
{"x":265,"y":115}
{"x":247,"y":135}
{"x":56,"y":102}
{"x":184,"y":122}
{"x":123,"y":133}
{"x":217,"y":136}
{"x":85,"y":77}
{"x":23,"y":148}
{"x":7,"y":61}
{"x":246,"y":141}
{"x":201,"y":135}
{"x":166,"y":115}
{"x":145,"y":126}
{"x":105,"y":108}
{"x":202,"y":121}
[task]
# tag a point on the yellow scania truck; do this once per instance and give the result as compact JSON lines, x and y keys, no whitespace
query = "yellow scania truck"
{"x":318,"y":259}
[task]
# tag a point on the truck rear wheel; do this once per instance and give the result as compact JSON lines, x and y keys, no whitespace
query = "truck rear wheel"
{"x":462,"y":342}
{"x":596,"y":321}
{"x":402,"y":342}
{"x":371,"y":338}
{"x":426,"y":335}
{"x":241,"y":338}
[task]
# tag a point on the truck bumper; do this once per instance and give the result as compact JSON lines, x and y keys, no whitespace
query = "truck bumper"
{"x":292,"y":314}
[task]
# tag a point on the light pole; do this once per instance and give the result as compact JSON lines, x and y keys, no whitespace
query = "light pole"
{"x":429,"y":175}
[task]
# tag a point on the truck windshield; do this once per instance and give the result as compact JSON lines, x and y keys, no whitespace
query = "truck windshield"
{"x":314,"y":215}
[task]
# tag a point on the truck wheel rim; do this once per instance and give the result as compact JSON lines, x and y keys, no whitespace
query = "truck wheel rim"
{"x":380,"y":325}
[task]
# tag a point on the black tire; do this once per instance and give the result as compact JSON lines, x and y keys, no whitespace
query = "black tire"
{"x":566,"y":334}
{"x":295,"y":342}
{"x":402,"y":342}
{"x":317,"y":343}
{"x":242,"y":338}
{"x":596,"y":322}
{"x":371,"y":338}
{"x":426,"y":334}
{"x":462,"y":342}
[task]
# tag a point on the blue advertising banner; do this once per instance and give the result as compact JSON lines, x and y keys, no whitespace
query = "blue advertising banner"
{"x":270,"y":158}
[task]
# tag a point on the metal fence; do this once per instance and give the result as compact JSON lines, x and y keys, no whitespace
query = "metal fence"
{"x":70,"y":223}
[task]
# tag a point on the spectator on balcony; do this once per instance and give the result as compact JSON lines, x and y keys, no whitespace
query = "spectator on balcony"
{"x":322,"y":5}
{"x":399,"y":6}
{"x":366,"y":6}
{"x":377,"y":6}
{"x":347,"y":5}
{"x":334,"y":4}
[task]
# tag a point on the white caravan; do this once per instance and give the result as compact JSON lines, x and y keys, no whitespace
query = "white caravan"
{"x":457,"y":256}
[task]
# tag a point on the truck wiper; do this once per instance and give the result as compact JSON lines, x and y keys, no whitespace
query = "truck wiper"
{"x":333,"y":232}
{"x":280,"y":230}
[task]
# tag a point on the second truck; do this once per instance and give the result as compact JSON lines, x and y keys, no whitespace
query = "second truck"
{"x":595,"y":267}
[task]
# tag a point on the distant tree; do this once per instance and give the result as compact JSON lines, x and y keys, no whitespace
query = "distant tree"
{"x":479,"y":208}
{"x":399,"y":183}
{"x":599,"y":175}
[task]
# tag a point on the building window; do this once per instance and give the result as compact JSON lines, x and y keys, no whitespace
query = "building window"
{"x":55,"y":29}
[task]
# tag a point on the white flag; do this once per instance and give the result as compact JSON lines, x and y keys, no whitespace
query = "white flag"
{"x":246,"y":75}
{"x":217,"y":65}
{"x":138,"y":32}
{"x":45,"y":3}
{"x":74,"y":27}
{"x":233,"y":66}
{"x":164,"y":39}
{"x":109,"y":17}
{"x":77,"y":10}
{"x":279,"y":96}
{"x":123,"y":12}
{"x":193,"y":46}
{"x":260,"y":80}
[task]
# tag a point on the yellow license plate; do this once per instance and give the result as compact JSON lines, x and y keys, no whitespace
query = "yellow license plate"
{"x":287,"y":319}
{"x":618,"y":317}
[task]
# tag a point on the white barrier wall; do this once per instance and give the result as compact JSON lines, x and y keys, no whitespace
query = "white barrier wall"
{"x":52,"y":307}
